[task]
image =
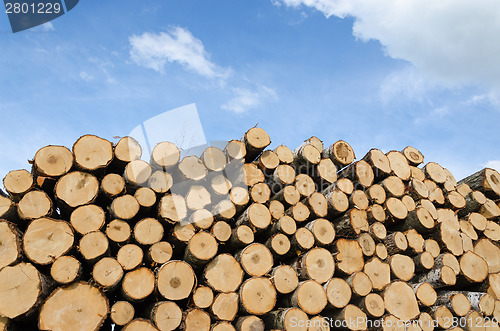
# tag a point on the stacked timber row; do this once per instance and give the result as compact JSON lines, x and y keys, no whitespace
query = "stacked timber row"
{"x":246,"y":238}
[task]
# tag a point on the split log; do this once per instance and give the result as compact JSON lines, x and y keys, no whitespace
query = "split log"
{"x":341,"y":153}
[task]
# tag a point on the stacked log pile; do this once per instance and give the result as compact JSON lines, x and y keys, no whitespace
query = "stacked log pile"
{"x":246,"y":238}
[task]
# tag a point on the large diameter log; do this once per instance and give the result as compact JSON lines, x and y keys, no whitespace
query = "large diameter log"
{"x":175,"y":280}
{"x":18,"y":182}
{"x":77,"y":188}
{"x":284,"y":278}
{"x":255,"y":140}
{"x":255,"y":259}
{"x":66,"y":269}
{"x":400,"y":301}
{"x":78,"y":299}
{"x":287,"y":319}
{"x":87,"y":218}
{"x":257,"y":296}
{"x":486,"y":180}
{"x":349,"y":256}
{"x":310,"y":297}
{"x":46,"y":239}
{"x":338,"y":292}
{"x":92,"y":153}
{"x":52,"y":161}
{"x":341,"y":153}
{"x":23,"y":288}
{"x":317,"y":264}
{"x":121,"y":313}
{"x":10,"y":244}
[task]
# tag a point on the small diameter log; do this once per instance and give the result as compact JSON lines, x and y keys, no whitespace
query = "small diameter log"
{"x":268,"y":161}
{"x":279,"y":245}
{"x":349,"y":256}
{"x":23,"y":288}
{"x":285,"y":155}
{"x":305,"y":185}
{"x":223,"y":273}
{"x":317,"y":264}
{"x":225,"y":306}
{"x":130,"y":256}
{"x":249,"y":323}
{"x":399,"y":165}
{"x":241,"y":236}
{"x":378,"y":272}
{"x":317,"y":205}
{"x":337,"y":202}
{"x":449,"y":260}
{"x":432,"y":247}
{"x":17,"y":183}
{"x":214,"y":159}
{"x":112,"y":185}
{"x":256,"y":216}
{"x":376,"y":213}
{"x":343,"y":184}
{"x":140,"y":324}
{"x":400,"y":301}
{"x":52,"y":161}
{"x":413,"y":155}
{"x":146,"y":198}
{"x":87,"y":218}
{"x":181,"y":234}
{"x":473,"y":201}
{"x":408,"y":202}
{"x":124,"y":207}
{"x":425,"y":294}
{"x":322,"y":229}
{"x":235,"y":150}
{"x":393,"y":186}
{"x":65,"y":270}
{"x":190,"y":168}
{"x":396,"y":242}
{"x":309,"y":296}
{"x":421,"y":220}
{"x":255,"y":259}
{"x":490,"y":253}
{"x":166,"y":315}
{"x":435,"y":172}
{"x":93,"y":246}
{"x":341,"y":153}
{"x":305,"y":156}
{"x":201,"y":248}
{"x":10,"y":244}
{"x":160,"y":181}
{"x":160,"y":252}
{"x":286,"y":319}
{"x":221,"y":231}
{"x":198,"y":197}
{"x":352,"y":224}
{"x":172,"y":208}
{"x":286,"y":225}
{"x":46,"y":239}
{"x":456,"y":302}
{"x":402,"y":267}
{"x":325,"y":173}
{"x":376,"y":194}
{"x":468,"y":229}
{"x":417,"y":173}
{"x":8,"y":209}
{"x":359,"y":200}
{"x":379,"y":163}
{"x":423,"y":262}
{"x":489,"y":209}
{"x":260,"y":193}
{"x":338,"y":292}
{"x":258,"y":295}
{"x":255,"y":140}
{"x":283,"y":175}
{"x":108,"y":273}
{"x":78,"y":299}
{"x":439,"y":276}
{"x":203,"y":297}
{"x":481,"y":302}
{"x":473,"y":267}
{"x":360,"y":284}
{"x":454,"y":201}
{"x":486,"y":181}
{"x":372,"y":305}
{"x":381,"y":251}
{"x":175,"y":280}
{"x":351,"y":318}
{"x":395,"y":210}
{"x":284,"y":278}
{"x":164,"y":155}
{"x":77,"y":188}
{"x":367,"y":244}
{"x":148,"y":231}
{"x":137,"y":173}
{"x":288,"y":196}
{"x":302,"y":240}
{"x":118,"y":231}
{"x":442,"y":316}
{"x":122,"y":312}
{"x":225,"y":209}
{"x":378,"y":231}
{"x":415,"y":242}
{"x":359,"y":172}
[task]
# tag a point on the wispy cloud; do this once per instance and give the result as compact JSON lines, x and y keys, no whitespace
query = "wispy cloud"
{"x":404,"y":85}
{"x":86,"y":76}
{"x":246,"y":99}
{"x":154,"y":50}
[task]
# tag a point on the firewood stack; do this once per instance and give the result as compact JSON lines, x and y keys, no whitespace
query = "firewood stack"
{"x":246,"y":238}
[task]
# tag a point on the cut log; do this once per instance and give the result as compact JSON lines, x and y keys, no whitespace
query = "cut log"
{"x":241,"y":236}
{"x":489,"y":209}
{"x":454,"y":201}
{"x":417,"y":189}
{"x":378,"y":272}
{"x":299,"y":212}
{"x":284,"y":278}
{"x":449,"y":260}
{"x":286,"y":319}
{"x":352,"y":224}
{"x":381,"y":251}
{"x":393,"y":186}
{"x":310,"y":297}
{"x":52,"y":161}
{"x":221,"y":231}
{"x":175,"y":280}
{"x":191,"y":168}
{"x":449,"y":238}
{"x":112,"y":185}
{"x":423,"y":261}
{"x":325,"y":173}
{"x":425,"y":294}
{"x":351,"y":318}
{"x":235,"y":150}
{"x":438,"y":277}
{"x":435,"y":172}
{"x":108,"y":273}
{"x":279,"y":245}
{"x":130,"y":256}
{"x":202,"y":219}
{"x":182,"y":233}
{"x":395,"y":210}
{"x":146,"y":198}
{"x":164,"y":155}
{"x":421,"y":220}
{"x":413,"y":155}
{"x":223,"y":273}
{"x":376,"y":213}
{"x":417,"y":173}
{"x":140,"y":324}
{"x":317,"y":204}
{"x":225,"y":209}
{"x":258,"y":295}
{"x":23,"y":288}
{"x":256,"y":216}
{"x":478,"y":221}
{"x":442,"y":316}
{"x":17,"y":183}
{"x":203,"y":297}
{"x":317,"y":264}
{"x":127,"y":149}
{"x":160,"y":181}
{"x":172,"y":208}
{"x":137,"y":173}
{"x":367,"y":244}
{"x":402,"y":267}
{"x":341,"y":153}
{"x":288,"y":196}
{"x":467,"y":229}
{"x":427,"y":204}
{"x":400,"y":301}
{"x":379,"y":163}
{"x":66,"y":270}
{"x":378,"y":231}
{"x":283,"y":175}
{"x":201,"y":248}
{"x":358,"y":200}
{"x":376,"y":194}
{"x":10,"y":244}
{"x":481,"y":302}
{"x":486,"y":181}
{"x":473,"y":267}
{"x":8,"y":209}
{"x":349,"y":256}
{"x":166,"y":315}
{"x":92,"y":153}
{"x":473,"y":201}
{"x":255,"y":259}
{"x":214,"y":159}
{"x":322,"y":229}
{"x":148,"y":231}
{"x":456,"y":302}
{"x":118,"y":231}
{"x":372,"y":305}
{"x":396,"y":242}
{"x":198,"y":197}
{"x":77,"y":188}
{"x":345,"y":185}
{"x":93,"y":246}
{"x":490,"y":253}
{"x":359,"y":172}
{"x":160,"y":252}
{"x":34,"y":204}
{"x":360,"y":284}
{"x":249,"y":323}
{"x":415,"y":242}
{"x":337,"y":202}
{"x":305,"y":185}
{"x":255,"y":140}
{"x":305,"y":156}
{"x":260,"y":193}
{"x":408,"y":202}
{"x":122,"y":312}
{"x":399,"y":165}
{"x":225,"y":306}
{"x":432,"y":247}
{"x":46,"y":239}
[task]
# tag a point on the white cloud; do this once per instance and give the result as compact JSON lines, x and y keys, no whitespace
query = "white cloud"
{"x":494,"y":164}
{"x":154,"y":50}
{"x":246,"y":99}
{"x":404,"y":84}
{"x":86,"y":76}
{"x":451,"y":41}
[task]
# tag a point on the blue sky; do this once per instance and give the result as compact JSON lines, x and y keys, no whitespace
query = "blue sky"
{"x":379,"y":74}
